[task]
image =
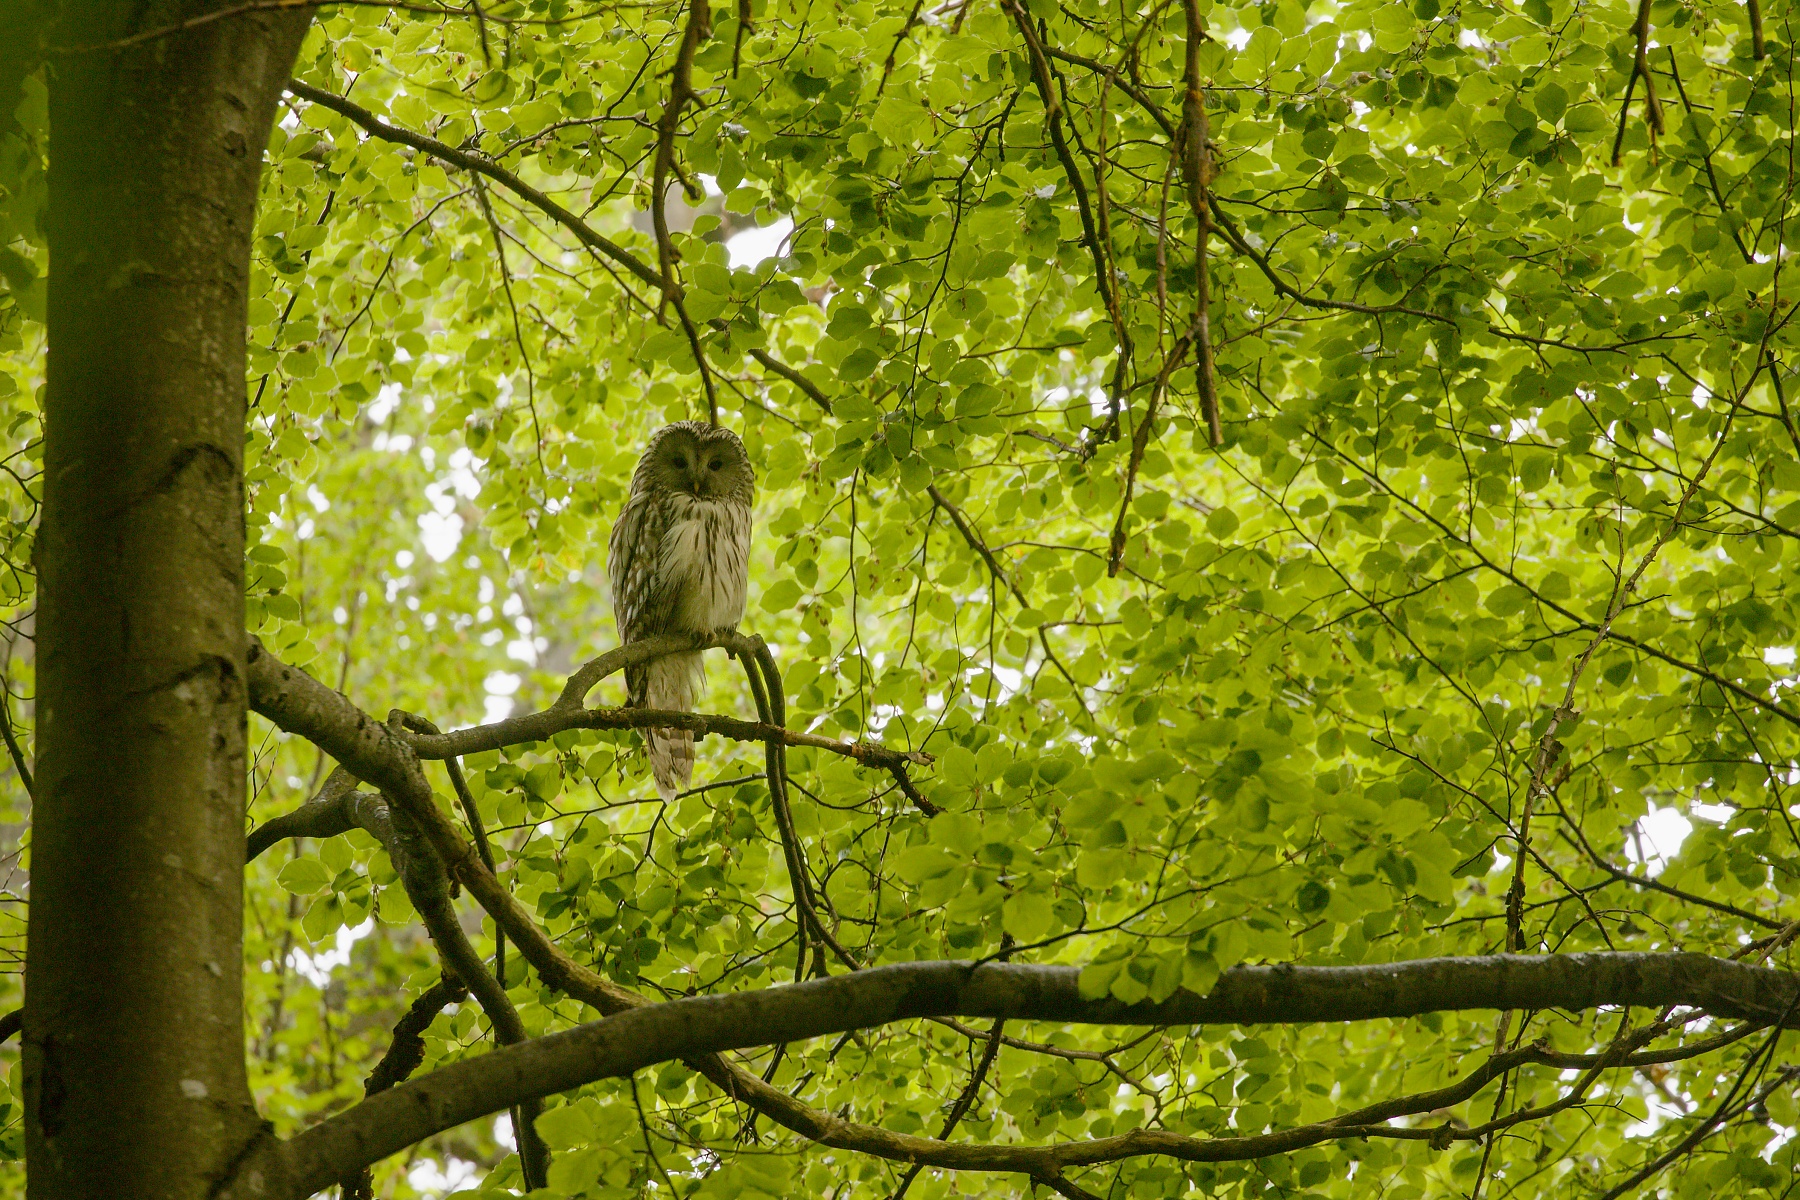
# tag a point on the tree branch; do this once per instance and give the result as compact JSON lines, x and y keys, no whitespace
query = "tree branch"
{"x":989,"y":1051}
{"x":1196,"y":173}
{"x":631,"y":1041}
{"x":1229,"y":230}
{"x":794,"y":377}
{"x":1054,"y":115}
{"x":681,"y":94}
{"x":1640,"y":69}
{"x":695,"y":1029}
{"x":12,"y":742}
{"x":338,"y":808}
{"x":987,"y":556}
{"x":403,"y":1057}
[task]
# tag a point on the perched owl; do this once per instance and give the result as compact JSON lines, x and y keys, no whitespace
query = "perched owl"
{"x":678,"y":562}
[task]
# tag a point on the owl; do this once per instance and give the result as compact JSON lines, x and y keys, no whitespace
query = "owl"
{"x":678,"y":562}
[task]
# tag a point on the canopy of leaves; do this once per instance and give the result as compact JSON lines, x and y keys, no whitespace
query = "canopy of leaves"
{"x":1492,"y":583}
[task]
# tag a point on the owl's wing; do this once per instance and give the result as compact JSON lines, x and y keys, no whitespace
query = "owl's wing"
{"x":633,"y":557}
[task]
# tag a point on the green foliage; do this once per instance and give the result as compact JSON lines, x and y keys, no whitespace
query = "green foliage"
{"x":1298,"y":723}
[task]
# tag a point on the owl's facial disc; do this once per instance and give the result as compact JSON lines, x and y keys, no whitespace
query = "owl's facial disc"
{"x":700,"y":470}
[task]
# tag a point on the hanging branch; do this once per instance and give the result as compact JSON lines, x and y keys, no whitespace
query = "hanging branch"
{"x":1054,"y":116}
{"x":1140,"y":443}
{"x":980,"y":547}
{"x":1196,"y":173}
{"x":493,"y":223}
{"x":1640,"y":69}
{"x":13,"y":748}
{"x":681,"y":94}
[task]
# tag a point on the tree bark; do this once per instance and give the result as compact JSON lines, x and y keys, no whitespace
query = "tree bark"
{"x":133,"y":1039}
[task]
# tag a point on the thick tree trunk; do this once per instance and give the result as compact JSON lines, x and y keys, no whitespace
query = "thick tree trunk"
{"x":134,"y":1063}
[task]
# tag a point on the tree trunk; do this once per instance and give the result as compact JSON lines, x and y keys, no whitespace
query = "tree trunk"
{"x":134,"y":1061}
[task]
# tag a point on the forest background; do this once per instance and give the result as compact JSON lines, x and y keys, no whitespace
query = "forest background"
{"x":1431,"y":594}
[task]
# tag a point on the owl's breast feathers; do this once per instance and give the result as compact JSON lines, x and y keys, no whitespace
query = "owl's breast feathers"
{"x":705,"y":556}
{"x":679,"y":564}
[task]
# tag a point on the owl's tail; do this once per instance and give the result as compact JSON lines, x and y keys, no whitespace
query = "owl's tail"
{"x":671,"y":683}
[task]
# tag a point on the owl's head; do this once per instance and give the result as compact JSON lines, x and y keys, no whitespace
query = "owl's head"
{"x":698,"y":459}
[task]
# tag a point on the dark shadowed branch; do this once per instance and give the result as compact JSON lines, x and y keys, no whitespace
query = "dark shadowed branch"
{"x":338,"y":808}
{"x":403,"y":1057}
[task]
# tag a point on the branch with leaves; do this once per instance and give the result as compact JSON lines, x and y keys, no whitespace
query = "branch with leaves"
{"x":699,"y":1030}
{"x":710,"y":1025}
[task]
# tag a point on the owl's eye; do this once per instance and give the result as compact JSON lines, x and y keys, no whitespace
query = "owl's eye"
{"x":681,"y":462}
{"x":716,"y":463}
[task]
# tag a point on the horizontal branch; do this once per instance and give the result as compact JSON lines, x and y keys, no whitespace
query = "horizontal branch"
{"x":1246,"y":995}
{"x":537,"y":727}
{"x":643,"y":1037}
{"x":291,"y":695}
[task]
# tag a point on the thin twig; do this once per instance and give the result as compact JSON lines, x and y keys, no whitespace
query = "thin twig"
{"x":963,"y":1102}
{"x":12,"y":742}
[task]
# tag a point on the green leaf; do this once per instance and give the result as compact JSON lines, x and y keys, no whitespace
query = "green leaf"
{"x":1027,"y":916}
{"x":565,"y":1127}
{"x":304,"y":876}
{"x":916,"y":864}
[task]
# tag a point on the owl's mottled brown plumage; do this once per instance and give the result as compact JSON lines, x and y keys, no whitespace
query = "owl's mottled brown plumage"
{"x":679,"y":562}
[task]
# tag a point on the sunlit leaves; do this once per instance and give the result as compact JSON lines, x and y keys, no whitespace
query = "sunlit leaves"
{"x":1306,"y":700}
